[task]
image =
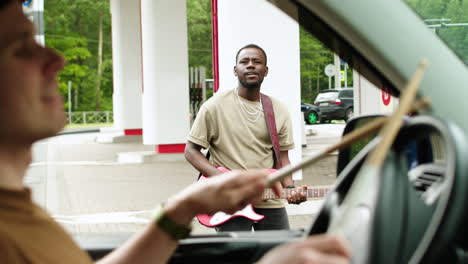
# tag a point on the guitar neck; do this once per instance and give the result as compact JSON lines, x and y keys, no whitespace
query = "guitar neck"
{"x":316,"y":192}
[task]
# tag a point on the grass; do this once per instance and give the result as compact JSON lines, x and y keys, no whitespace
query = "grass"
{"x":89,"y":125}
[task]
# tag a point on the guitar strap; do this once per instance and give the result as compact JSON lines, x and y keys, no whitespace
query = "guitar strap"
{"x":271,"y":124}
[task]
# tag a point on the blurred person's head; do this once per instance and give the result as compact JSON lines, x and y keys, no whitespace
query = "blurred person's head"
{"x":30,"y":104}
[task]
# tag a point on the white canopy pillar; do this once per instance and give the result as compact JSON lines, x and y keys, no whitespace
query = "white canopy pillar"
{"x":242,"y":22}
{"x":165,"y":74}
{"x":126,"y":53}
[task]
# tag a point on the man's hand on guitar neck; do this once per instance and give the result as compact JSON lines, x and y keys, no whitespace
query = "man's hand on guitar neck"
{"x":297,"y":195}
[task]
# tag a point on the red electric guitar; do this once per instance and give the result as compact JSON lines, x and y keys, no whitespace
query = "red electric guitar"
{"x":248,"y":211}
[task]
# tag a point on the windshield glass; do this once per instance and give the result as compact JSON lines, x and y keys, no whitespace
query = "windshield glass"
{"x":448,"y":19}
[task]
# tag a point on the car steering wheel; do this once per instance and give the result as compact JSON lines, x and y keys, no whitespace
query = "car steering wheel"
{"x":410,"y":211}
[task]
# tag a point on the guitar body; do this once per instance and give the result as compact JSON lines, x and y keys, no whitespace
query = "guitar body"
{"x":221,"y":217}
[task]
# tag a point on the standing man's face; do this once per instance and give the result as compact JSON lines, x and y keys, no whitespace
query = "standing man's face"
{"x":30,"y":104}
{"x":251,"y":68}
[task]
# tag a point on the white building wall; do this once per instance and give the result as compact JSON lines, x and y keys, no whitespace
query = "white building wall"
{"x":243,"y":22}
{"x":165,"y":72}
{"x":126,"y":53}
{"x":369,"y":100}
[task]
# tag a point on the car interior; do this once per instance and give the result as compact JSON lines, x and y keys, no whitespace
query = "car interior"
{"x":416,"y":214}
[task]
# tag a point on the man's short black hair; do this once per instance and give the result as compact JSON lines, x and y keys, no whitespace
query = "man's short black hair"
{"x":3,"y":3}
{"x":255,"y":46}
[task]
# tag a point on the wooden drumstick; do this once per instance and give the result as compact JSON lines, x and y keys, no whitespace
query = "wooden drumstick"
{"x":391,"y":128}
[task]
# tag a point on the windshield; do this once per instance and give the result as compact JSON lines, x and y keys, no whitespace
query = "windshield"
{"x":448,"y":19}
{"x":88,"y":159}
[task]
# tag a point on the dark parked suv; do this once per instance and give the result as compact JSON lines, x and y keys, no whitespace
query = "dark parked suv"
{"x":335,"y":104}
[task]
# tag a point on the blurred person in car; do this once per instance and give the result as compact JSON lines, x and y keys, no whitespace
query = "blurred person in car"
{"x":31,"y":109}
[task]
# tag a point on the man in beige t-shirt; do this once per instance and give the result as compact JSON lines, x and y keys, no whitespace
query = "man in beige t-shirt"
{"x":232,"y":126}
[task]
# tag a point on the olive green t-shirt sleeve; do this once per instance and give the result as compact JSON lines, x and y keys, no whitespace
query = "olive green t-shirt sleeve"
{"x":202,"y":129}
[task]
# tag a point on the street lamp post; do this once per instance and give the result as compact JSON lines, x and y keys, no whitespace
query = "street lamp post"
{"x":69,"y":102}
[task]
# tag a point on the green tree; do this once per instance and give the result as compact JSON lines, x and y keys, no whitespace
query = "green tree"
{"x":457,"y":37}
{"x":80,"y":30}
{"x":75,"y":52}
{"x":200,"y":34}
{"x":314,"y":57}
{"x":454,"y":10}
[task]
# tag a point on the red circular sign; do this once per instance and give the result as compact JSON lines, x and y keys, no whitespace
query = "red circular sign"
{"x":386,"y":97}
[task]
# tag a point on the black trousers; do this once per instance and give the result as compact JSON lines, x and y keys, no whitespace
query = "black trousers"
{"x":275,"y":219}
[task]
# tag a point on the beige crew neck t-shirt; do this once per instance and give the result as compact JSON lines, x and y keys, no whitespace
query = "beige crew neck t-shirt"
{"x":239,"y":139}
